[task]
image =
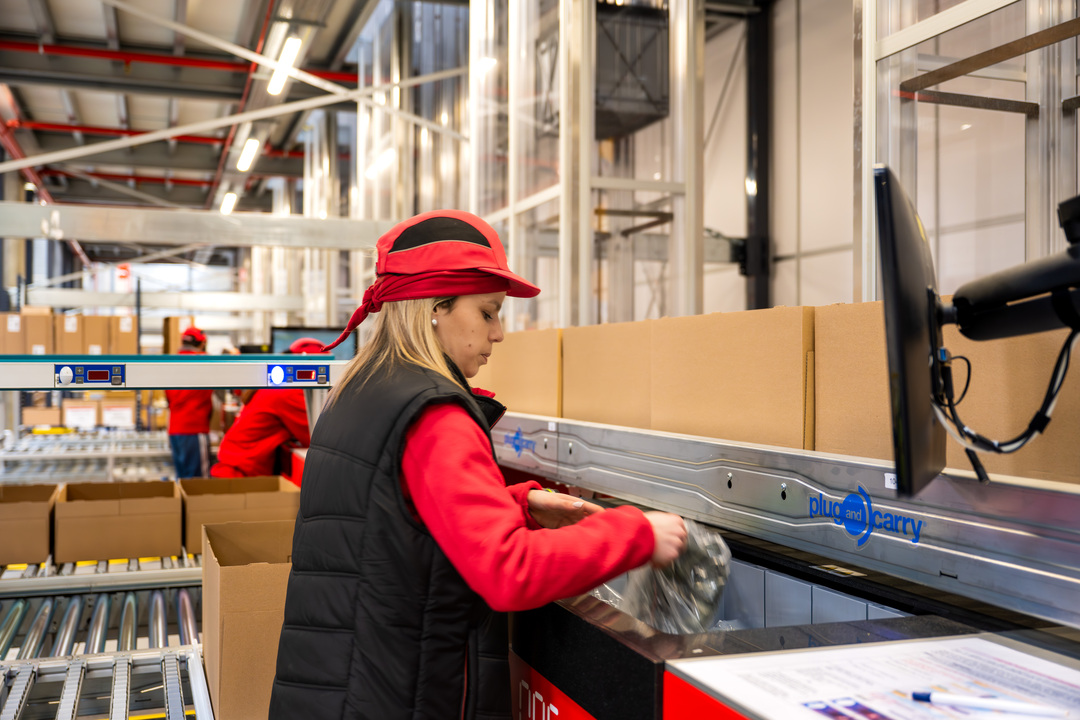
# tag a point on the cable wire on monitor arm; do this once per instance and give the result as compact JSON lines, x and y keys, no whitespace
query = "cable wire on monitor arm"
{"x":972,"y":441}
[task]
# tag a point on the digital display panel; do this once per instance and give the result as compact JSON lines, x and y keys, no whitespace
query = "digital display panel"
{"x":305,"y":374}
{"x":97,"y":375}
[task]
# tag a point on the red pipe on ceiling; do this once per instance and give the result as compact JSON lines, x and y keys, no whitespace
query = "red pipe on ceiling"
{"x":148,"y":179}
{"x":127,"y":56}
{"x":92,"y":130}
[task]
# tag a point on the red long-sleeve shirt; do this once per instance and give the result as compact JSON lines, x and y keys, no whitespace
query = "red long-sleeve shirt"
{"x":189,"y":410}
{"x":272,"y":417}
{"x":485,"y":528}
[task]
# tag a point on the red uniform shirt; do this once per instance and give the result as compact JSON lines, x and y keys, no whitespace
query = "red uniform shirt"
{"x":189,"y":410}
{"x":485,"y":528}
{"x":271,"y":418}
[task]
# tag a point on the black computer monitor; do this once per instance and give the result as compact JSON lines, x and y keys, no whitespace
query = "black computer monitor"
{"x":912,"y":335}
{"x":282,"y":337}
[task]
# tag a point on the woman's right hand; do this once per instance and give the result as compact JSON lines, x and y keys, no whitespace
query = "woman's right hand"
{"x":669,"y":533}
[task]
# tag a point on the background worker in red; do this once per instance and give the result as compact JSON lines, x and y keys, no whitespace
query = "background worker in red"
{"x":270,"y":418}
{"x":408,"y":544}
{"x":189,"y":417}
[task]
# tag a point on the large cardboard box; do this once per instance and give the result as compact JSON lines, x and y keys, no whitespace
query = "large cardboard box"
{"x":606,"y":373}
{"x":69,"y":335}
{"x":100,"y":521}
{"x":123,"y":335}
{"x":1008,"y":382}
{"x":525,"y":372}
{"x":245,"y":573}
{"x":852,"y":383}
{"x":743,"y":376}
{"x":218,"y":500}
{"x":96,"y":334}
{"x":26,"y":522}
{"x":11,"y":334}
{"x":37,"y":334}
{"x":41,"y":416}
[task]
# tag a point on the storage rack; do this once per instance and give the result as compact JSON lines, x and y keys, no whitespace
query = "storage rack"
{"x":123,"y":455}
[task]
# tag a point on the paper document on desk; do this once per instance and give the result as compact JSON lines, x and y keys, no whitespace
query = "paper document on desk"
{"x":875,"y":682}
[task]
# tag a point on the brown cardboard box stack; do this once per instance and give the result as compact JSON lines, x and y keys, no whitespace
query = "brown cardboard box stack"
{"x":525,"y":372}
{"x":219,"y":500}
{"x":26,"y":515}
{"x":68,"y":335}
{"x":606,"y":373}
{"x":123,"y":335}
{"x":1008,"y":382}
{"x":37,"y":330}
{"x":174,"y":327}
{"x":100,"y":521}
{"x":96,"y":334}
{"x":245,"y":572}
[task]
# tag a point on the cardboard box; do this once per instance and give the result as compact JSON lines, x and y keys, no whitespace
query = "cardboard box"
{"x":11,"y":334}
{"x":1008,"y":383}
{"x":39,"y":310}
{"x":742,"y":376}
{"x":123,"y":335}
{"x":852,"y":383}
{"x":218,"y":500}
{"x":96,"y":334}
{"x":525,"y":372}
{"x":37,"y":334}
{"x":101,"y":521}
{"x":117,"y":412}
{"x":26,"y":522}
{"x":172,"y":330}
{"x":245,"y":573}
{"x":68,"y":335}
{"x":41,"y":416}
{"x":83,"y":414}
{"x":606,"y":374}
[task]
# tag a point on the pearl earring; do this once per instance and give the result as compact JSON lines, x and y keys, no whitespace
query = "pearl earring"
{"x":435,"y":321}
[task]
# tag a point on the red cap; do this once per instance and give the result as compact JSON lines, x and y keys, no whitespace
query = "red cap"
{"x":306,"y":345}
{"x":443,"y":252}
{"x":194,"y":334}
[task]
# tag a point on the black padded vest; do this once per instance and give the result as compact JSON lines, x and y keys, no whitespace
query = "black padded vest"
{"x":378,"y":623}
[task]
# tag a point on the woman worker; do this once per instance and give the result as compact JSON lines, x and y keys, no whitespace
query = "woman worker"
{"x":408,"y":544}
{"x":270,"y":418}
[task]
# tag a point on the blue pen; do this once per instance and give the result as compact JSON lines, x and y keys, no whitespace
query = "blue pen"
{"x":988,"y":703}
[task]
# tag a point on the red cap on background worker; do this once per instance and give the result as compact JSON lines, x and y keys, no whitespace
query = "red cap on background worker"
{"x":271,"y":418}
{"x":189,"y":417}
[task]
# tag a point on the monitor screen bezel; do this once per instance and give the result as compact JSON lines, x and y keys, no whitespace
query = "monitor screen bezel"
{"x":349,"y":342}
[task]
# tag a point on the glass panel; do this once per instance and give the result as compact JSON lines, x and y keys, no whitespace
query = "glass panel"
{"x":536,"y":92}
{"x":960,"y":158}
{"x":538,"y":262}
{"x":899,"y":14}
{"x":493,"y":124}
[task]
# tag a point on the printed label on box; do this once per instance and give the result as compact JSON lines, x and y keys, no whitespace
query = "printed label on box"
{"x":118,"y":416}
{"x":37,"y":349}
{"x":80,"y":417}
{"x":125,"y":324}
{"x":71,"y":323}
{"x":94,"y":350}
{"x":13,"y":323}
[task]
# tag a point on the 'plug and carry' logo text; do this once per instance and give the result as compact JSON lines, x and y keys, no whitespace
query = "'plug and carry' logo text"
{"x":518,"y":442}
{"x":857,"y":514}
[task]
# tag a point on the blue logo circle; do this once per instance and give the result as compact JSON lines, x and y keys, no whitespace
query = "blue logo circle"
{"x":854,"y":514}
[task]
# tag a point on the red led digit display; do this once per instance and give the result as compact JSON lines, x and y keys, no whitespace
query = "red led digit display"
{"x":97,"y":375}
{"x":305,"y":374}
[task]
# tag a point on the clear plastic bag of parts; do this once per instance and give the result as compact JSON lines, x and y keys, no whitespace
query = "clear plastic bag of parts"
{"x":683,"y":598}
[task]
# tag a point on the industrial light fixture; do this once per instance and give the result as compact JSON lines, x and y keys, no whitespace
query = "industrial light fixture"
{"x":247,"y":156}
{"x":286,"y":60}
{"x":228,"y":203}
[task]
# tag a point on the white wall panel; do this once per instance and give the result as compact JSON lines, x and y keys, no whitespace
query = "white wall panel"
{"x":826,"y":279}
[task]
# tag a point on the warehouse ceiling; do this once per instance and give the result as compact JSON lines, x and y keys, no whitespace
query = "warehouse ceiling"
{"x":74,"y":73}
{"x":78,"y":72}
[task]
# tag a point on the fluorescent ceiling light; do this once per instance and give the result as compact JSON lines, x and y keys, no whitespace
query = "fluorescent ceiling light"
{"x":251,"y":149}
{"x":286,"y":60}
{"x":228,"y":203}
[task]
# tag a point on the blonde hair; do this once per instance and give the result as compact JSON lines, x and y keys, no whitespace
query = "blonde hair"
{"x":403,"y":333}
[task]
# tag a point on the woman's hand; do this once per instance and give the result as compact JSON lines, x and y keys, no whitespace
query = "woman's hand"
{"x":554,"y":510}
{"x":669,"y":531}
